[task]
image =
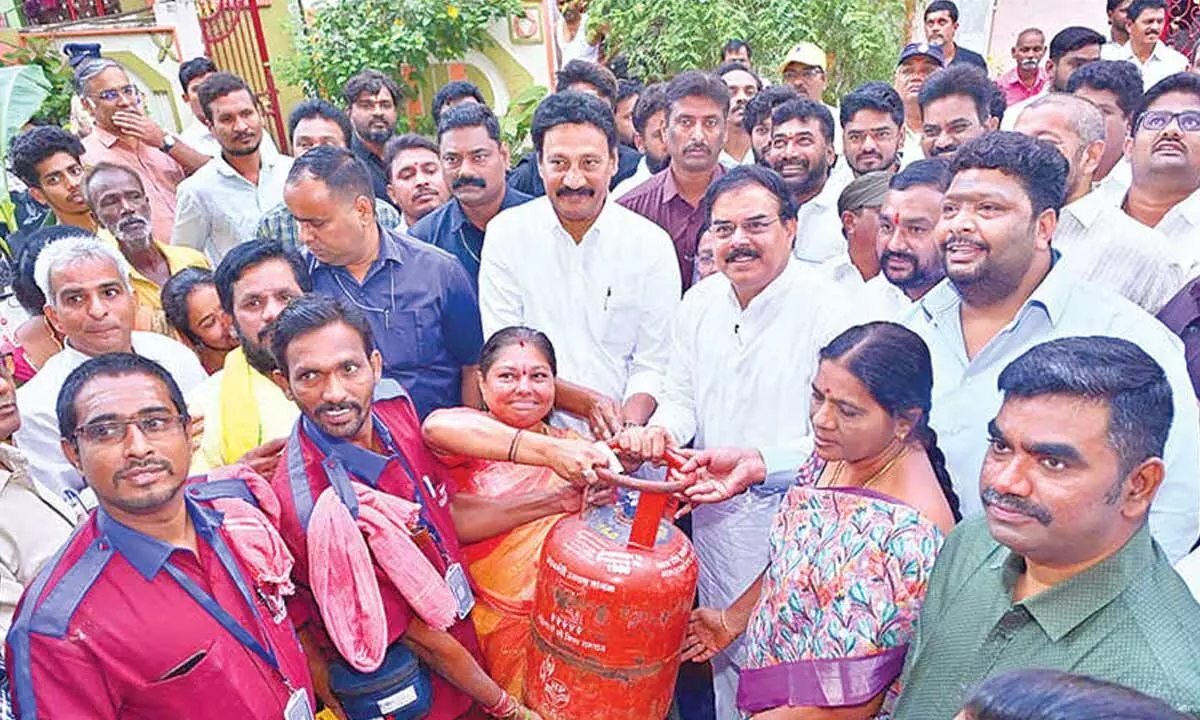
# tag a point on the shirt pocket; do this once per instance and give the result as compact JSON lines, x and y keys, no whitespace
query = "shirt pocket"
{"x":192,"y":689}
{"x":622,"y":319}
{"x":413,"y":338}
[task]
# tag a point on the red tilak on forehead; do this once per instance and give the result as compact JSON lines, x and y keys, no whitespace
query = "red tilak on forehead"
{"x":521,"y":342}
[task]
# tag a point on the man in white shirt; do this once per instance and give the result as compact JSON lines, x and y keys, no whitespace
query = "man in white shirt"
{"x":1006,"y":293}
{"x":858,"y":208}
{"x":649,"y":137}
{"x":743,"y":85}
{"x":220,"y":205}
{"x":1098,"y":241}
{"x":1157,"y":60}
{"x":1164,"y":151}
{"x":802,"y":153}
{"x":743,"y":353}
{"x":1115,"y":87}
{"x":90,"y":302}
{"x":600,"y":280}
{"x":198,"y":135}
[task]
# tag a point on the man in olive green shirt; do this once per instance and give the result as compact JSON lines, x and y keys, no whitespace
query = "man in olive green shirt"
{"x":1061,"y":572}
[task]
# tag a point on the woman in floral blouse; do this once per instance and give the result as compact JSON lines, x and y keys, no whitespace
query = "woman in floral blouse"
{"x":853,"y":544}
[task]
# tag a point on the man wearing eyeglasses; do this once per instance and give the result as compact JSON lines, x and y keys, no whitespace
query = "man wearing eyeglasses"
{"x":125,"y":135}
{"x":1164,"y":151}
{"x":90,"y":302}
{"x":159,"y":606}
{"x":806,"y":70}
{"x":723,"y":380}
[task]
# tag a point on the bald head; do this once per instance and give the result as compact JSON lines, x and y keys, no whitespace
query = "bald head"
{"x":1076,"y":127}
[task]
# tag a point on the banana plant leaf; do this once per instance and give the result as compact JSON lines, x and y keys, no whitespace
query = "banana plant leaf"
{"x":22,"y":90}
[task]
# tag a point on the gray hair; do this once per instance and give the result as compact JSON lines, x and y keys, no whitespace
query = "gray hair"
{"x":1087,"y":121}
{"x":89,"y":69}
{"x":71,"y":250}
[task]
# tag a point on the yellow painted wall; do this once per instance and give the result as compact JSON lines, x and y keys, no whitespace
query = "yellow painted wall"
{"x":276,"y":24}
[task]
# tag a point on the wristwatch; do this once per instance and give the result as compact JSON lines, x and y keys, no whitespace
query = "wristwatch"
{"x":168,"y":143}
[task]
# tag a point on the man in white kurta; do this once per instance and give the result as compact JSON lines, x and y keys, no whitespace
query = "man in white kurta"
{"x":601,"y":281}
{"x":743,"y":355}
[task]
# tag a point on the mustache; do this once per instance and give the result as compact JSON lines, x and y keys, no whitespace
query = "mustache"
{"x":463,"y":181}
{"x":132,"y":220}
{"x":697,"y":146}
{"x":581,"y":192}
{"x":739,"y":253}
{"x":139,"y":465}
{"x":1020,"y":505}
{"x":948,"y":150}
{"x":951,"y":239}
{"x":334,"y":407}
{"x":896,"y":255}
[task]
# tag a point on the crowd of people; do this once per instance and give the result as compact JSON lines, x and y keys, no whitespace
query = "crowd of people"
{"x":281,"y":431}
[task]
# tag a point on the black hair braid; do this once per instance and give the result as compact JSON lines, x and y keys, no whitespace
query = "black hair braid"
{"x":938,"y":460}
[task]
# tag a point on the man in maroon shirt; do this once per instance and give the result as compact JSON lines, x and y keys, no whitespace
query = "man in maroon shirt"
{"x":355,"y":428}
{"x":697,"y":112}
{"x":152,"y":610}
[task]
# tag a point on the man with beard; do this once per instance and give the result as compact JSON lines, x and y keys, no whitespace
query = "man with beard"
{"x":1146,"y":49}
{"x":917,"y":62}
{"x":908,"y":246}
{"x":722,"y":384}
{"x":628,"y":92}
{"x":756,"y":118}
{"x":1118,"y":21}
{"x":313,"y":123}
{"x":371,"y":99}
{"x":474,"y":158}
{"x":161,"y":604}
{"x":1115,"y":87}
{"x":601,"y":281}
{"x":221,"y":204}
{"x":649,"y":136}
{"x":872,"y":117}
{"x":356,"y":429}
{"x":1061,"y":573}
{"x":418,"y":298}
{"x":697,"y":117}
{"x":90,"y":304}
{"x":246,"y":415}
{"x":1027,"y":78}
{"x":1071,"y":49}
{"x":743,"y":85}
{"x":1099,"y":242}
{"x":119,"y":201}
{"x":47,"y":160}
{"x":1007,"y":292}
{"x":416,"y":183}
{"x":941,"y":25}
{"x":955,"y":108}
{"x":1165,"y":154}
{"x":802,"y":153}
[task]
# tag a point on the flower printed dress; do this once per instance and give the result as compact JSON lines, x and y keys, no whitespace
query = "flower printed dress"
{"x":848,"y":572}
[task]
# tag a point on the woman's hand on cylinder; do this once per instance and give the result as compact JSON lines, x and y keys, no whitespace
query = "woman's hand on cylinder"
{"x":576,"y":460}
{"x":722,"y":473}
{"x":708,"y":634}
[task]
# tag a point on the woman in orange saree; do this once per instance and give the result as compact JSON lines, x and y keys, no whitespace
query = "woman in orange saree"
{"x":509,"y":457}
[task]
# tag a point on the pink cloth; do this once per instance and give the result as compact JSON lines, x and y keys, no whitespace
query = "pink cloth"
{"x":159,"y":172}
{"x":1016,"y":91}
{"x":343,"y":576}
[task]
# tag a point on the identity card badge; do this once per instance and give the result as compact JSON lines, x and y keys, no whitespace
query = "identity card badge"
{"x":456,"y":578}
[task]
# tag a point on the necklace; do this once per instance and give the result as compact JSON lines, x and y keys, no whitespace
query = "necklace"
{"x":874,"y":476}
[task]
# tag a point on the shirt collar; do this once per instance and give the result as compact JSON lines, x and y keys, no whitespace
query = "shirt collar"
{"x":1087,"y":208}
{"x":774,"y":289}
{"x":147,"y":554}
{"x":105,"y":137}
{"x":1052,"y":294}
{"x":365,"y":465}
{"x":1066,"y":606}
{"x":1189,"y":208}
{"x":827,"y":197}
{"x":266,"y":164}
{"x":671,"y":190}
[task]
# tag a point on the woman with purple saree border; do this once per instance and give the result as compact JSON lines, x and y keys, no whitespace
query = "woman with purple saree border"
{"x":828,"y":622}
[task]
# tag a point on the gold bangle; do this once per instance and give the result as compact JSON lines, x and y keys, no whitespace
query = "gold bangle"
{"x":512,"y":448}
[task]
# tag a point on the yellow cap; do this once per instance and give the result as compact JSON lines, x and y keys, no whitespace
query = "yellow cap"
{"x":805,"y":53}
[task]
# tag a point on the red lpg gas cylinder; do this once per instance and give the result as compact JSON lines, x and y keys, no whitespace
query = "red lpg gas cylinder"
{"x":611,"y":611}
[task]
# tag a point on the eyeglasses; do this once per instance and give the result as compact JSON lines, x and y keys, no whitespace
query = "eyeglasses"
{"x":808,"y":73}
{"x":129,"y":91}
{"x":111,"y":432}
{"x":752,"y":227}
{"x":1154,"y":120}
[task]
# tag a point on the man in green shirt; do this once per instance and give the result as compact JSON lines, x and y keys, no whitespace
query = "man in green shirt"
{"x":1061,"y":572}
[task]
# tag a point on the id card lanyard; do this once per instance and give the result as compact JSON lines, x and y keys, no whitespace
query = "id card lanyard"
{"x":220,"y":614}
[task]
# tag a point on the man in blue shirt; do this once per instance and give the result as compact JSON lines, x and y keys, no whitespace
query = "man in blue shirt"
{"x":417,"y":298}
{"x":474,"y":160}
